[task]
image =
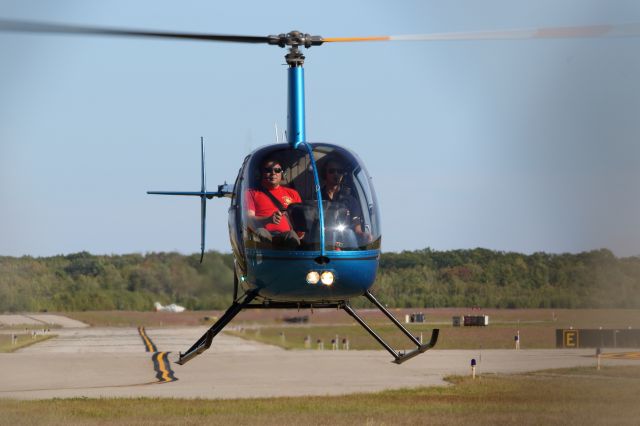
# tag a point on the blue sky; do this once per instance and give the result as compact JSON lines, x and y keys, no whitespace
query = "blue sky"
{"x":510,"y":145}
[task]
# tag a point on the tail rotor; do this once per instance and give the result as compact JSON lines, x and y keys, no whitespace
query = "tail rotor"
{"x":223,"y":191}
{"x":203,"y":200}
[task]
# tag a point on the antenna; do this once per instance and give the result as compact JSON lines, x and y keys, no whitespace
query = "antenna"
{"x":277,"y":136}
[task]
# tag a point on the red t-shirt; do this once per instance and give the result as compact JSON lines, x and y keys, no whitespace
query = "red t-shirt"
{"x":260,"y":203}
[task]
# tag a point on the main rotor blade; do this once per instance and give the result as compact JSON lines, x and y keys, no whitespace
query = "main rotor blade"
{"x":590,"y":31}
{"x":40,"y":27}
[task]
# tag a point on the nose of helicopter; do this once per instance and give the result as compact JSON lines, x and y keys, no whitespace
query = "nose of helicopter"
{"x":286,"y":276}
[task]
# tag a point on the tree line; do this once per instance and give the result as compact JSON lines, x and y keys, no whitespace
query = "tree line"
{"x":421,"y":278}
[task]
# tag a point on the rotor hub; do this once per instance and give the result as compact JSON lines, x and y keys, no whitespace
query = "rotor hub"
{"x":294,"y":40}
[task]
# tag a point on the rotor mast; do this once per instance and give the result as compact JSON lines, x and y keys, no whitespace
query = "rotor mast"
{"x":295,"y":97}
{"x":295,"y":81}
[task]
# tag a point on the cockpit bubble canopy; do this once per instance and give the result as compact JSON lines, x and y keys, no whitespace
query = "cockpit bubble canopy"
{"x":323,"y":194}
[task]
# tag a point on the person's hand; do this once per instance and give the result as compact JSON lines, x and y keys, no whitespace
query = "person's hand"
{"x":365,"y":237}
{"x":276,"y":217}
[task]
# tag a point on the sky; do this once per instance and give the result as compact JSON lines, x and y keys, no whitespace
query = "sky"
{"x":522,"y":145}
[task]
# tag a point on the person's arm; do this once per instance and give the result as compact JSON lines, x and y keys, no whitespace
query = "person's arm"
{"x":356,"y":218}
{"x":362,"y":234}
{"x":296,"y":197}
{"x":261,"y":221}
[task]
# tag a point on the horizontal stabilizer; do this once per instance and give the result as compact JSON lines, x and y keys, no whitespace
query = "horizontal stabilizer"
{"x":209,"y":195}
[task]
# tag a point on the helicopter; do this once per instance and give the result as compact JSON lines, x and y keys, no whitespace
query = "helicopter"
{"x":331,"y":262}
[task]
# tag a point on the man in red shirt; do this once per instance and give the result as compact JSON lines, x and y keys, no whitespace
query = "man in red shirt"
{"x":266,"y":217}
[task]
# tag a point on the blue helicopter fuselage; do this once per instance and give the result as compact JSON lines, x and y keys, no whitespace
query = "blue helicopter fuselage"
{"x":341,"y":235}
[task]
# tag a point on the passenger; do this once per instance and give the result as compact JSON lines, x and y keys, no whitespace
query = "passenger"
{"x":266,"y":206}
{"x":335,"y":191}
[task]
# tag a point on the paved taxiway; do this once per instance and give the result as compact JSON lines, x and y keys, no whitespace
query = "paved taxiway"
{"x":43,"y":320}
{"x":113,"y":362}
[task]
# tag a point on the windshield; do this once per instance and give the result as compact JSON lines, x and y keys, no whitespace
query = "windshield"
{"x":280,"y":207}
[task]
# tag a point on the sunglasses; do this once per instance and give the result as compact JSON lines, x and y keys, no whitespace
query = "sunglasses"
{"x":272,"y":170}
{"x":333,"y":170}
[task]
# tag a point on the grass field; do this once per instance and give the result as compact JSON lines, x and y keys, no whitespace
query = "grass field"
{"x":557,"y":397}
{"x":23,"y":341}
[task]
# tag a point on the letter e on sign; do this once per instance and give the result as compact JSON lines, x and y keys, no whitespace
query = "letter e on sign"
{"x":571,"y":338}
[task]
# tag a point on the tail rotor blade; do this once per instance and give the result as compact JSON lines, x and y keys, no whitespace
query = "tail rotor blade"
{"x":202,"y":169}
{"x":203,"y":215}
{"x":203,"y":199}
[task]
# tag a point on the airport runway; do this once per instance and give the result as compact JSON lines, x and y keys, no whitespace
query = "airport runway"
{"x":115,"y":362}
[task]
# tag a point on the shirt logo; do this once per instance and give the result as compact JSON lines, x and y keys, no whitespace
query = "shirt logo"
{"x":286,"y":200}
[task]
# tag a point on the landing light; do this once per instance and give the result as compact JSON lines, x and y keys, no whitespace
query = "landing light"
{"x":313,"y":277}
{"x":327,"y":278}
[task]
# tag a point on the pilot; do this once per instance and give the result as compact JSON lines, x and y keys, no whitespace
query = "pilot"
{"x":335,"y":191}
{"x":267,"y":204}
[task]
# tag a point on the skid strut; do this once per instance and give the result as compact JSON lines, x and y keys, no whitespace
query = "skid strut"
{"x":205,"y":341}
{"x":399,"y":357}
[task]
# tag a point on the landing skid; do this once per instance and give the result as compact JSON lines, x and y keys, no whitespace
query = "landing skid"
{"x":400,"y":357}
{"x":245,"y":303}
